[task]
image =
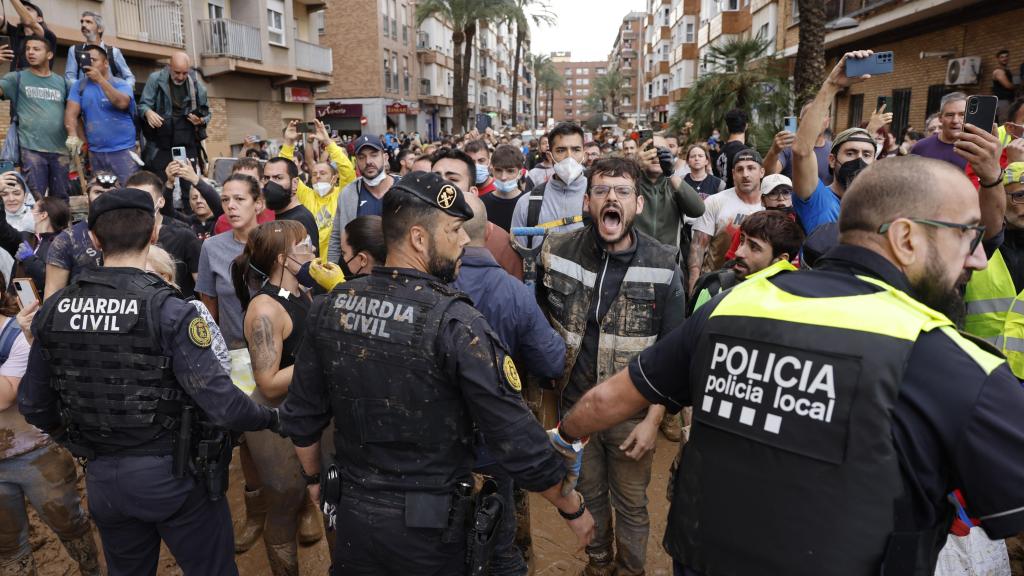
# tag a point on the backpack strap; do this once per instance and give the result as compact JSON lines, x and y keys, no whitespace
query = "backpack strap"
{"x":8,"y":334}
{"x":535,"y":201}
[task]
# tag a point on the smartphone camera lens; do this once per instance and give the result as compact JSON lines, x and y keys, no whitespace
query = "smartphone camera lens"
{"x":974,"y":107}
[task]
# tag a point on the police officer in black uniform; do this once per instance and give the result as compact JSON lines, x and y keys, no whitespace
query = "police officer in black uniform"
{"x":121,"y":372}
{"x":406,"y":367}
{"x":834,"y":410}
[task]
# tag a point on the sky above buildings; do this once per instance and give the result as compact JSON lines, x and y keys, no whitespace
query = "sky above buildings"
{"x":587,"y":28}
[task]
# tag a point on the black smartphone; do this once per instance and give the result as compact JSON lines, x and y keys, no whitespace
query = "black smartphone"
{"x":646,"y":135}
{"x":84,"y":58}
{"x":981,"y":111}
{"x":5,"y":41}
{"x":303,"y":128}
{"x":884,"y":101}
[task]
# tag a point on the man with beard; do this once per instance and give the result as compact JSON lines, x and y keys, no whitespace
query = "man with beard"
{"x":765,"y":238}
{"x":409,"y":371}
{"x":611,"y":291}
{"x":714,"y":230}
{"x":667,"y":197}
{"x":364,"y":196}
{"x":843,"y":396}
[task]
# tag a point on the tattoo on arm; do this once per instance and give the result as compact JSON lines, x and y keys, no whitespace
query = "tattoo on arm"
{"x":263,"y":349}
{"x":698,"y":249}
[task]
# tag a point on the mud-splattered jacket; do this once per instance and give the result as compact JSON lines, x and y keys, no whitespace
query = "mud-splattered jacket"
{"x":630,"y":310}
{"x":406,"y":367}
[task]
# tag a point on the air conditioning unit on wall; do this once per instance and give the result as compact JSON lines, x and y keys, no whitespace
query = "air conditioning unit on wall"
{"x":963,"y":71}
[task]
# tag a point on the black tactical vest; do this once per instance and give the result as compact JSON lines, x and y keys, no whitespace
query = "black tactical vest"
{"x":117,"y":391}
{"x":791,"y":468}
{"x":400,"y":421}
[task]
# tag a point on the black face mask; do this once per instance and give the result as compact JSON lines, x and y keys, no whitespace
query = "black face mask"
{"x":349,"y":274}
{"x":848,"y":171}
{"x":276,"y":196}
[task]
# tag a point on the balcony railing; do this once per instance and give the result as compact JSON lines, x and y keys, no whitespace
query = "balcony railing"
{"x":223,"y":37}
{"x":313,"y":57}
{"x":155,"y":21}
{"x":424,"y":86}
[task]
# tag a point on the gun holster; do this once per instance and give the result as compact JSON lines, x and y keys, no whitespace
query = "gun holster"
{"x":490,"y":507}
{"x":212,"y":459}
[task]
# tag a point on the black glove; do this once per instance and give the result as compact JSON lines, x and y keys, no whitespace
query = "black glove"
{"x":275,"y":422}
{"x":666,"y":161}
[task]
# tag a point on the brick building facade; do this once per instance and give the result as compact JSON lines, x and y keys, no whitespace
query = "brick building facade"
{"x":570,"y":100}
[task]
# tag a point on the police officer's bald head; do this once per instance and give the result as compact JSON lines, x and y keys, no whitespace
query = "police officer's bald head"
{"x":904,"y":187}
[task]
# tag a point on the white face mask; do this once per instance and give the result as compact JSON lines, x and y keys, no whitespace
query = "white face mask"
{"x":377,"y":179}
{"x":322,"y":188}
{"x":569,"y":170}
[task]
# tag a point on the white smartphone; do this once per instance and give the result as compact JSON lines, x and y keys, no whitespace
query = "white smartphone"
{"x":178,"y":153}
{"x":26,"y":290}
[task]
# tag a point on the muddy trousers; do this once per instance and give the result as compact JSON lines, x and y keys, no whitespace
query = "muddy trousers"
{"x":284,"y":492}
{"x":373,"y":540}
{"x":610,"y":479}
{"x":47,"y":477}
{"x":136,"y":502}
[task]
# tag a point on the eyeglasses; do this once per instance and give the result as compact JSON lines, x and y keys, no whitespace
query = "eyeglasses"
{"x":1016,"y":197}
{"x":600,"y":191}
{"x":779,"y":193}
{"x":979,"y":230}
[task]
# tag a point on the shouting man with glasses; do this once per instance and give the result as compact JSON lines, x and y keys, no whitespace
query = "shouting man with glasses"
{"x":835,"y":409}
{"x":611,"y":291}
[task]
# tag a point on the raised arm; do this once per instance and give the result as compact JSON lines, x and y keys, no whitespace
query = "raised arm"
{"x":805,"y":163}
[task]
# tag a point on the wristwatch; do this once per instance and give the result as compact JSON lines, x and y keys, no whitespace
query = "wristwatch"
{"x":310,"y":479}
{"x":576,"y":514}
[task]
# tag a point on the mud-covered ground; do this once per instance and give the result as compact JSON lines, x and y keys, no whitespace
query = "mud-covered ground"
{"x":553,"y":542}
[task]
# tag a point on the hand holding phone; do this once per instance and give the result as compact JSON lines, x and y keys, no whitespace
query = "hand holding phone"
{"x":26,"y":290}
{"x":178,"y":154}
{"x":981,"y":111}
{"x":790,"y":124}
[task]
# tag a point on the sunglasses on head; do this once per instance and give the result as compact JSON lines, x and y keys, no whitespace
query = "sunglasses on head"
{"x":106,"y":180}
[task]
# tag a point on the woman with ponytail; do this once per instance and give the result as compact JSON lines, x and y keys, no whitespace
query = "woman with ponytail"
{"x":275,"y":307}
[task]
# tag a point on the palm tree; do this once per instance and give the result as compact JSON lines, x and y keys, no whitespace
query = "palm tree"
{"x":809,"y":71}
{"x":519,"y":14}
{"x":611,"y":85}
{"x":744,"y":77}
{"x":462,"y":16}
{"x":549,"y":78}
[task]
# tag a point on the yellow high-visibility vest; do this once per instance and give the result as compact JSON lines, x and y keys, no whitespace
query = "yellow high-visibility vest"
{"x":995,"y":311}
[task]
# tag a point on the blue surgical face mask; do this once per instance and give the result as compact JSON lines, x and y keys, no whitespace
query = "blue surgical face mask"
{"x":304,"y":277}
{"x":506,"y":186}
{"x":482,"y":173}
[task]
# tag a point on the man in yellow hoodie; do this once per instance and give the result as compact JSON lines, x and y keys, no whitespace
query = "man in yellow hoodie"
{"x":328,"y":178}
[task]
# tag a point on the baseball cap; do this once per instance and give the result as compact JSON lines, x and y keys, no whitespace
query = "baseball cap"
{"x":747,"y":154}
{"x":368,"y":140}
{"x":773,"y":181}
{"x":853,"y":135}
{"x":120,"y":199}
{"x":437,"y":192}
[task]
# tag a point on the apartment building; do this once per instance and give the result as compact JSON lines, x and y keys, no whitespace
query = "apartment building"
{"x":392,"y":74}
{"x":625,"y":57}
{"x":940,"y":46}
{"x":260,"y":59}
{"x":569,"y":102}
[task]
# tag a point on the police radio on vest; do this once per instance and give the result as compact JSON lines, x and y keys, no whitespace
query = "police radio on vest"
{"x":97,"y":314}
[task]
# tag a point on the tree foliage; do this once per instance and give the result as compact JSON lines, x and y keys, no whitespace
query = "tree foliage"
{"x":742,"y":76}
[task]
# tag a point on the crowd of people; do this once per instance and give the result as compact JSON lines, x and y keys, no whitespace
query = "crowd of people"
{"x":377,"y":317}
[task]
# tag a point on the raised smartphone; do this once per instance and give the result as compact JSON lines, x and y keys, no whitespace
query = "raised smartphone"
{"x":981,"y":111}
{"x":790,"y":124}
{"x":26,"y":290}
{"x":877,"y":63}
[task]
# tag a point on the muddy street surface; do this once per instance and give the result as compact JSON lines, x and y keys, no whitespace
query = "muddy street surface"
{"x":553,"y":542}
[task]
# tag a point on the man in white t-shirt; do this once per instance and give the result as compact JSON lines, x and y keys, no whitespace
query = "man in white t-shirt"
{"x":723,"y":212}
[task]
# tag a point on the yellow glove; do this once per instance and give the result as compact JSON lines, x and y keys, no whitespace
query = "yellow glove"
{"x":327,"y":275}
